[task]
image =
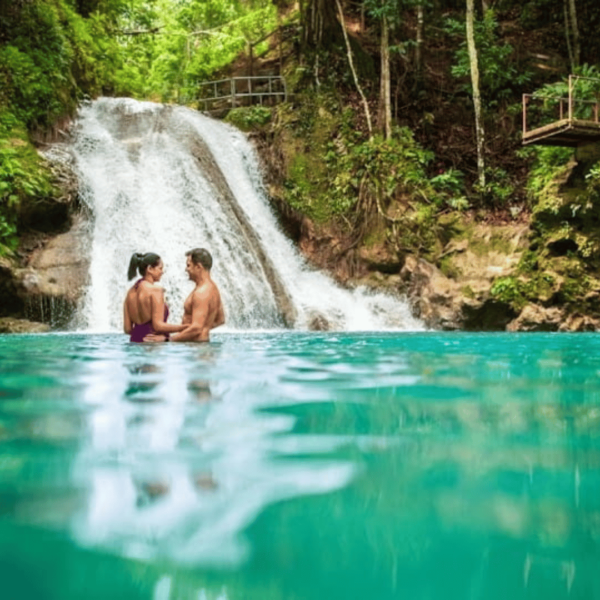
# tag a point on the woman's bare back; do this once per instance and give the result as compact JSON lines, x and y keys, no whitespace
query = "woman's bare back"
{"x":139,"y":302}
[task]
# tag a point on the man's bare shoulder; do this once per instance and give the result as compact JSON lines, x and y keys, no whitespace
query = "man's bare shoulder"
{"x":206,"y":290}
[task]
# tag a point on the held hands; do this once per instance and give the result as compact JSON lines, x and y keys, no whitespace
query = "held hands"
{"x":155,"y":337}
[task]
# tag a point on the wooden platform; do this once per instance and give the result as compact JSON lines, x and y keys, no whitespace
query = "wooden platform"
{"x":566,"y":132}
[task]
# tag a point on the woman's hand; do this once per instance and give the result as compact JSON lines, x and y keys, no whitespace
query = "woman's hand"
{"x":156,"y":337}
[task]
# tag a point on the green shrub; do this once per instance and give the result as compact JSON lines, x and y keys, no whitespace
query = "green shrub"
{"x":23,"y":177}
{"x":249,"y":117}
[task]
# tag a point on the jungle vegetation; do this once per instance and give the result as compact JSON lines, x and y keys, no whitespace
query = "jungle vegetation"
{"x":400,"y":111}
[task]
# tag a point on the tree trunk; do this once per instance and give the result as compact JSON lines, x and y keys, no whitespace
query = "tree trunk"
{"x":568,"y":36}
{"x":354,"y":75}
{"x":321,"y":25}
{"x":575,"y":32}
{"x":419,"y":48}
{"x":479,"y":130}
{"x":385,"y":106}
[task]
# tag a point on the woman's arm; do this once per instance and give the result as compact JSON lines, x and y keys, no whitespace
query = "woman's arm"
{"x":158,"y":314}
{"x":127,"y":324}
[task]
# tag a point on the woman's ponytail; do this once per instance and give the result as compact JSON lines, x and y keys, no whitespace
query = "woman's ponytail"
{"x":134,"y":264}
{"x":140,"y":262}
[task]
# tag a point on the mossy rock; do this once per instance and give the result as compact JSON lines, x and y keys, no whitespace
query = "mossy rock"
{"x":11,"y":325}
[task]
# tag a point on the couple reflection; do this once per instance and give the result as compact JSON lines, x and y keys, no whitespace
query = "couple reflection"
{"x":147,"y":379}
{"x":148,"y":385}
{"x":145,"y":312}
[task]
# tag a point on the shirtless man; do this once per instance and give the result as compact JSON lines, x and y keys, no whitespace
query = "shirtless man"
{"x":203,"y":309}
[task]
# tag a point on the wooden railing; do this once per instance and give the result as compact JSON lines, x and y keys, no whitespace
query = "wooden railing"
{"x":545,"y":114}
{"x":242,"y":91}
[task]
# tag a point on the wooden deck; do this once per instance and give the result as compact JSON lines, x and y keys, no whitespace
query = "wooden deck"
{"x":575,"y":118}
{"x":566,"y":132}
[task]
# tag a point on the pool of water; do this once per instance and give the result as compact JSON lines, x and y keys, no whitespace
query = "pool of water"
{"x":300,"y":466}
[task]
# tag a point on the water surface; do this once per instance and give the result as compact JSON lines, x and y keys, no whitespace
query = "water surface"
{"x":300,"y":466}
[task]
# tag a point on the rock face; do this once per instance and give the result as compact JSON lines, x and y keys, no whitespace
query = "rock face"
{"x":11,"y":325}
{"x":444,"y":303}
{"x":57,"y":275}
{"x":47,"y":282}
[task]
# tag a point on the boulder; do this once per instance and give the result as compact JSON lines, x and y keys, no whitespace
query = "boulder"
{"x":537,"y":318}
{"x":12,"y":325}
{"x":576,"y":322}
{"x":444,"y":303}
{"x":56,"y":276}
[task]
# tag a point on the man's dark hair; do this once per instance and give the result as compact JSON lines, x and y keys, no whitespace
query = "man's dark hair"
{"x":200,"y":256}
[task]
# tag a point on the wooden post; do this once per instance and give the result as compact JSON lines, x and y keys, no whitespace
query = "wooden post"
{"x":560,"y":108}
{"x":524,"y":113}
{"x":570,"y":97}
{"x":233,"y":92}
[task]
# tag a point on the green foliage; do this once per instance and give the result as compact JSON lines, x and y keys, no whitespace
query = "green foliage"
{"x":23,"y":177}
{"x":248,"y":118}
{"x":546,"y":103}
{"x":191,"y":41}
{"x":519,"y":291}
{"x":499,"y":73}
{"x":498,"y":187}
{"x":340,"y":175}
{"x":51,"y":58}
{"x":549,"y":162}
{"x":451,"y":184}
{"x":378,"y":170}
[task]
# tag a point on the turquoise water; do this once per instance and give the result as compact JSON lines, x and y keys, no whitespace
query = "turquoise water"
{"x":300,"y":466}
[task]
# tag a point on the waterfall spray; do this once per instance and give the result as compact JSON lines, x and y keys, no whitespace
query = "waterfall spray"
{"x":166,"y":179}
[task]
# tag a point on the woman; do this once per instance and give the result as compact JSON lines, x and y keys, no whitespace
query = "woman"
{"x":144,"y":310}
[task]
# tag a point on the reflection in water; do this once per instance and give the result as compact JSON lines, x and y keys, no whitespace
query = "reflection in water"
{"x":302,"y":466}
{"x":176,"y":465}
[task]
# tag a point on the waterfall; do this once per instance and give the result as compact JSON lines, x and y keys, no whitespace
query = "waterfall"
{"x":165,"y":179}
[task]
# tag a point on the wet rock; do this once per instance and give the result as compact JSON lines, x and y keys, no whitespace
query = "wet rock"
{"x":537,"y":318}
{"x":430,"y":293}
{"x":56,"y":276}
{"x":444,"y":303}
{"x":576,"y":322}
{"x":317,"y":322}
{"x":12,"y":325}
{"x":53,"y":214}
{"x":11,"y":302}
{"x":486,"y":315}
{"x":380,"y":258}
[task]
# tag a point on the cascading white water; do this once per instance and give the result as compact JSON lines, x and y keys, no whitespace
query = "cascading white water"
{"x":167,"y":179}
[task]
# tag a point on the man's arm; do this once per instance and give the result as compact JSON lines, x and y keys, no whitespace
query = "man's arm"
{"x":197,"y":330}
{"x":158,"y":314}
{"x":220,"y":317}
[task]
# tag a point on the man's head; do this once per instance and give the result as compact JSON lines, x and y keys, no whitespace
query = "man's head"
{"x":198,"y":260}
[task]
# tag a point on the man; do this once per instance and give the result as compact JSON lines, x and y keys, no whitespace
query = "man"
{"x":202,"y":309}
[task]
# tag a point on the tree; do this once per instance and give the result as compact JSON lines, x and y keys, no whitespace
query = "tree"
{"x":479,"y":129}
{"x":388,"y":14}
{"x":354,"y":74}
{"x":419,"y":46}
{"x":572,"y":34}
{"x":321,"y":26}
